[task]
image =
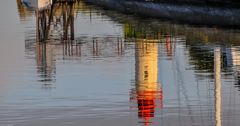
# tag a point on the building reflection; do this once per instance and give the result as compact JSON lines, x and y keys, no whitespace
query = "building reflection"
{"x":54,"y":36}
{"x":55,"y":24}
{"x":147,"y":92}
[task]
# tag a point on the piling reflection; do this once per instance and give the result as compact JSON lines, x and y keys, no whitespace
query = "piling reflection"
{"x":57,"y":16}
{"x":53,"y":20}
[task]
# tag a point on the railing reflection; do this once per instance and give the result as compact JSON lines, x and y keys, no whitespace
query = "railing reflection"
{"x":46,"y":66}
{"x":71,"y":48}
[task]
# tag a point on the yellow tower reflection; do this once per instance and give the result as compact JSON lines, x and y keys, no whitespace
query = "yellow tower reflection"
{"x":148,"y":91}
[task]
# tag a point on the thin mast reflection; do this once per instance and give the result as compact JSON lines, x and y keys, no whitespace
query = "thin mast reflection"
{"x":217,"y":81}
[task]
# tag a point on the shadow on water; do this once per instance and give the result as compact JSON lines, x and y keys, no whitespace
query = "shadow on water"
{"x":208,"y":52}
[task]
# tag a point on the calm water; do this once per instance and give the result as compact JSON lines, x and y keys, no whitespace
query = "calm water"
{"x":98,"y":67}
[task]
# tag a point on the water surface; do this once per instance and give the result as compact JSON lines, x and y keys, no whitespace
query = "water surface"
{"x":78,"y":64}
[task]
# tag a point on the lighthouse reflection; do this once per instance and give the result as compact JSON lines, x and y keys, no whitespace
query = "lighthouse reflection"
{"x":147,"y":93}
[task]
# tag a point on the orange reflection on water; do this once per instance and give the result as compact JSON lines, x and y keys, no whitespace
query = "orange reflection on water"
{"x":147,"y":103}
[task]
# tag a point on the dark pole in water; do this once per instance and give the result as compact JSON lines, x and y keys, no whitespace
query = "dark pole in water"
{"x":37,"y":26}
{"x":72,"y":21}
